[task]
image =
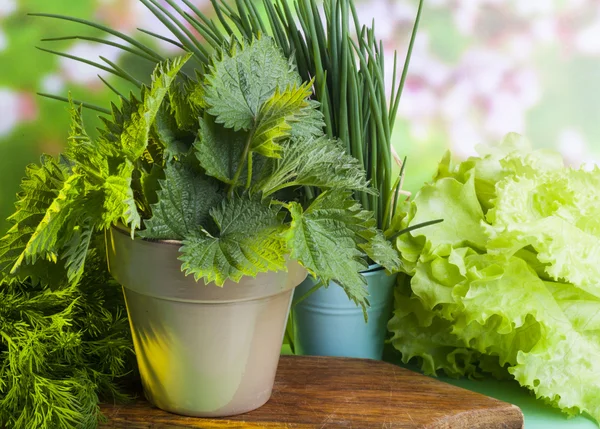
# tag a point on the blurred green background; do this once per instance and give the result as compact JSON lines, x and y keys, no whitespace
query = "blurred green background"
{"x":481,"y":68}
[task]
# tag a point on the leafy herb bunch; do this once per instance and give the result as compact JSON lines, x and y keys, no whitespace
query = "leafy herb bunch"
{"x":348,"y":71}
{"x":219,"y":161}
{"x":233,"y":187}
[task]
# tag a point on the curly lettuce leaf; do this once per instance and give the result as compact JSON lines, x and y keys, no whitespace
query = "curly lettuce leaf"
{"x":500,"y":308}
{"x":508,"y":283}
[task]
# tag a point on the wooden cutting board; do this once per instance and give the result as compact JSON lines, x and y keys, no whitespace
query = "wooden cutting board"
{"x":321,"y":392}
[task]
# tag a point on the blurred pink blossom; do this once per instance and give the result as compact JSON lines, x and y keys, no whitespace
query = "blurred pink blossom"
{"x":81,"y":73}
{"x":15,"y":107}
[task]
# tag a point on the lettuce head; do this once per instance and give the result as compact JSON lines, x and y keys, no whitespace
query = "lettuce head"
{"x":509,"y":283}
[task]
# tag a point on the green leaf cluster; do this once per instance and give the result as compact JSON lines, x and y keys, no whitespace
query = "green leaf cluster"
{"x":232,"y":187}
{"x":342,"y":58}
{"x":240,"y":162}
{"x":508,"y":283}
{"x":236,"y":195}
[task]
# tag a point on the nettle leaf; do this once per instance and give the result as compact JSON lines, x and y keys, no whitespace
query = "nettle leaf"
{"x":113,"y":127}
{"x":194,"y":91}
{"x":319,"y":162}
{"x":243,"y":78}
{"x":309,"y":122}
{"x":54,"y":229}
{"x":381,"y":251}
{"x":77,"y":250}
{"x":184,"y":203}
{"x":136,"y":129}
{"x":173,"y":140}
{"x":248,"y":241}
{"x":183,"y":105}
{"x":119,"y":202}
{"x":342,"y":207}
{"x":219,"y":150}
{"x":274,"y":118}
{"x":39,"y":189}
{"x":323,"y":242}
{"x":91,"y":156}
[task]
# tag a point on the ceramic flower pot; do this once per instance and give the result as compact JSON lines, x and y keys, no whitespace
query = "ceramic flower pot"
{"x":327,"y":323}
{"x":202,"y":350}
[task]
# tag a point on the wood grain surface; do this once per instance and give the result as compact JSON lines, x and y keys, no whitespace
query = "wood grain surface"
{"x":319,"y":392}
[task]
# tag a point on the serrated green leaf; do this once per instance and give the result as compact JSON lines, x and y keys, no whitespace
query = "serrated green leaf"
{"x":321,"y":241}
{"x":183,"y":107}
{"x":184,"y":203}
{"x":381,"y":251}
{"x":275,"y":117}
{"x":136,"y":129}
{"x":243,"y":78}
{"x":150,"y":184}
{"x":77,"y":251}
{"x":342,"y":207}
{"x":309,"y":122}
{"x":219,"y":150}
{"x":39,"y":189}
{"x":173,"y":140}
{"x":317,"y":162}
{"x":248,"y":241}
{"x":91,"y":156}
{"x":119,"y":202}
{"x":51,"y":231}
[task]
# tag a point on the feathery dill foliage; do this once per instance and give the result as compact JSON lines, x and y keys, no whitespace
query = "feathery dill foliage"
{"x":224,"y":162}
{"x":63,"y":349}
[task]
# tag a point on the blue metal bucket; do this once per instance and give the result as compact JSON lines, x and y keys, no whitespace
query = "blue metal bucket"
{"x":327,"y":323}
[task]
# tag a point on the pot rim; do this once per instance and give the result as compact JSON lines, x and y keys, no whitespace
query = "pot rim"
{"x":372,"y":269}
{"x":127,"y":231}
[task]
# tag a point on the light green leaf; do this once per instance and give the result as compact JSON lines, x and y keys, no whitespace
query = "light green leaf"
{"x":309,"y":123}
{"x":457,"y":204}
{"x":136,"y":129}
{"x":325,"y":245}
{"x":181,"y":106}
{"x":119,"y":202}
{"x":53,"y":229}
{"x":248,"y":240}
{"x":275,"y":117}
{"x":243,"y":78}
{"x":77,"y":251}
{"x":184,"y":202}
{"x":317,"y":162}
{"x":381,"y":251}
{"x":39,"y":189}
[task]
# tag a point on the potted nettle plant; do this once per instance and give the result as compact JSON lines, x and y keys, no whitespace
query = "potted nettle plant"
{"x":348,"y":82}
{"x":348,"y":72}
{"x":200,"y":187}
